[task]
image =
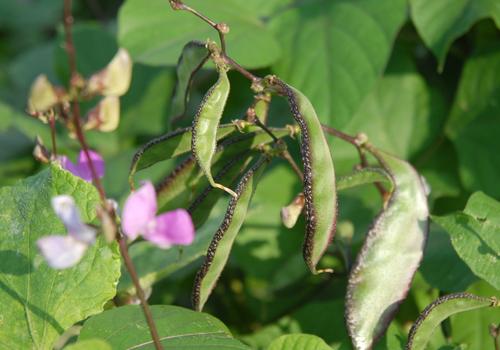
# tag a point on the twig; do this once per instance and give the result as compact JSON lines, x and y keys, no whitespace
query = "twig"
{"x":222,"y":29}
{"x":75,"y":107}
{"x":358,"y":142}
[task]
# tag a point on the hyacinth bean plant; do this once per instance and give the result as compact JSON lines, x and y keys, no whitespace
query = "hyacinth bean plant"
{"x":81,"y":267}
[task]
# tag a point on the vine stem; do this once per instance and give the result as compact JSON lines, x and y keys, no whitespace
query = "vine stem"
{"x":75,"y":108}
{"x":360,"y":143}
{"x":52,"y":124}
{"x":222,"y":29}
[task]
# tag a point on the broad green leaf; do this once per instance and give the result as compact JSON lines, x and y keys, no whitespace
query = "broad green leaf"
{"x":334,"y":51}
{"x":473,"y":123}
{"x":439,"y":23}
{"x":265,"y":8}
{"x":438,"y":311}
{"x":155,"y":34}
{"x":470,"y":330}
{"x":299,"y":342}
{"x":324,"y":319}
{"x":89,"y":344}
{"x":39,"y":303}
{"x":478,"y":90}
{"x":178,"y":328}
{"x":401,"y":115}
{"x":474,"y":235}
{"x":441,"y":266}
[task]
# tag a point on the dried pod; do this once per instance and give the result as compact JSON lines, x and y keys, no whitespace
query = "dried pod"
{"x":105,"y":116}
{"x":438,"y":311}
{"x":193,"y":57}
{"x":205,"y":126}
{"x":319,"y":175}
{"x":393,"y":248}
{"x":114,"y":80}
{"x":220,"y":247}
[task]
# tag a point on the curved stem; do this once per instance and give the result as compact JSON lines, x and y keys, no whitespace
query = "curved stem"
{"x":75,"y":108}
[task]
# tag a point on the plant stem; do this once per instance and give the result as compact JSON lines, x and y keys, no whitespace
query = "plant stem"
{"x":360,"y":147}
{"x":140,"y":292}
{"x":222,"y":29}
{"x":75,"y":107}
{"x":52,"y":124}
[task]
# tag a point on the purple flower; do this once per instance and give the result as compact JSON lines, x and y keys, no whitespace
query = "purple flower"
{"x":82,"y":168}
{"x":60,"y":251}
{"x":139,"y":218}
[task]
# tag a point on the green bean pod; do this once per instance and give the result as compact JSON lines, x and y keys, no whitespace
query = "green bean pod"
{"x":391,"y":253}
{"x":220,"y":247}
{"x":438,"y":311}
{"x":167,"y":146}
{"x":205,"y":124}
{"x":179,"y":188}
{"x":319,"y":175}
{"x":202,"y":205}
{"x":193,"y":57}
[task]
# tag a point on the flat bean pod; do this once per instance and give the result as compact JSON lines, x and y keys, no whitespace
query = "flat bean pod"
{"x":167,"y":146}
{"x":319,"y":174}
{"x":220,"y":247}
{"x":206,"y":123}
{"x":363,"y":177}
{"x":193,"y":57}
{"x":438,"y":311}
{"x":391,"y":253}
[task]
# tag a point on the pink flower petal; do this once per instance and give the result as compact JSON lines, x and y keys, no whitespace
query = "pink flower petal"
{"x":69,"y":165}
{"x":173,"y":227}
{"x":84,"y":167}
{"x":61,"y":252}
{"x":139,"y":210}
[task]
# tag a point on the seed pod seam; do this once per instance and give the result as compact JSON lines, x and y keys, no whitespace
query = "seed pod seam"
{"x":219,"y":234}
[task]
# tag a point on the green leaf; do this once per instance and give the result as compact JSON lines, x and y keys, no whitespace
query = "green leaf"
{"x":470,"y":329}
{"x":439,"y":23}
{"x":438,"y":311}
{"x":334,"y":51}
{"x":178,"y":328}
{"x":94,"y":344}
{"x":401,"y":115}
{"x":155,"y":34}
{"x":442,"y":268}
{"x":299,"y":342}
{"x":474,"y":235}
{"x":473,"y":123}
{"x":478,"y":91}
{"x":39,"y":303}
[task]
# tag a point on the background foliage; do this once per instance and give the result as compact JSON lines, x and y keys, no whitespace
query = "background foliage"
{"x":421,"y":78}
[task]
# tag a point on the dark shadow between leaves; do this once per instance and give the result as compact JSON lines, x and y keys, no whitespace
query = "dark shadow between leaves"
{"x":13,"y":263}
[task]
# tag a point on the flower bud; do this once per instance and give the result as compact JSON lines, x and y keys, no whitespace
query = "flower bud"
{"x":43,"y":95}
{"x":105,"y":116}
{"x":114,"y":80}
{"x":290,"y":213}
